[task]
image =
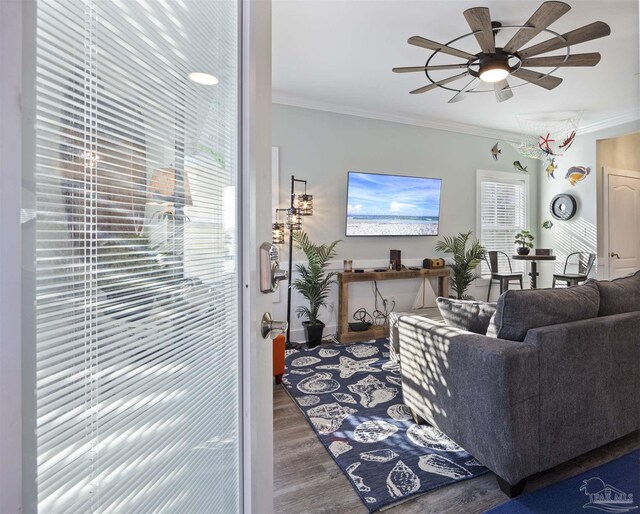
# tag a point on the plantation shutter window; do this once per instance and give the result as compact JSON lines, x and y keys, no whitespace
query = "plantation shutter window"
{"x":502,"y":213}
{"x":137,"y":351}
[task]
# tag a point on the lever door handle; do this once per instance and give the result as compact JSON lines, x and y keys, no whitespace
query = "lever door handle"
{"x":277,"y":275}
{"x":271,"y":328}
{"x":614,"y":255}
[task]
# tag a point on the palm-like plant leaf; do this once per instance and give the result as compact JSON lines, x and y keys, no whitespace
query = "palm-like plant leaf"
{"x":464,"y":262}
{"x":314,"y":282}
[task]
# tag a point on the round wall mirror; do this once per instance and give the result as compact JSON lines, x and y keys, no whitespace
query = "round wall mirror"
{"x":563,"y":207}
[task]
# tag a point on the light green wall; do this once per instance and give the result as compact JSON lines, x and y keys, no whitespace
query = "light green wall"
{"x":581,"y":232}
{"x":322,"y":147}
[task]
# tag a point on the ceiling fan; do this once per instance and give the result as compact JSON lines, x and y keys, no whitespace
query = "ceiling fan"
{"x":495,"y":64}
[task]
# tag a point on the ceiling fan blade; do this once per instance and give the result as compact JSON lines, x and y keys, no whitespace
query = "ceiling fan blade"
{"x":503,"y":90}
{"x":461,"y":95}
{"x":546,"y":14}
{"x":442,"y":82}
{"x":539,"y":79}
{"x":589,"y":32}
{"x":479,"y":20}
{"x":432,"y":45}
{"x":408,"y":69}
{"x":590,"y":59}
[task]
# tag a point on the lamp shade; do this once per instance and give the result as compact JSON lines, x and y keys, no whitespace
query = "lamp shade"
{"x":277,"y":233}
{"x":305,"y":204}
{"x":294,"y":219}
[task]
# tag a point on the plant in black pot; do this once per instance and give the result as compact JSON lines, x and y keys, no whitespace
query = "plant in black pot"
{"x":523,"y":240}
{"x":314,"y":283}
{"x":465,"y":260}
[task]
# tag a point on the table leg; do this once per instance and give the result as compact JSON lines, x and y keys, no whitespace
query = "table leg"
{"x":343,"y":309}
{"x":534,"y":275}
{"x":443,"y":287}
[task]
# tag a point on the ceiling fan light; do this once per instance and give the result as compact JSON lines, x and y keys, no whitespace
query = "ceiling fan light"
{"x":494,"y":72}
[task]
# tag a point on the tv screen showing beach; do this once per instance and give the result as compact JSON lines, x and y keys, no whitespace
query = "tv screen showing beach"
{"x":392,"y":205}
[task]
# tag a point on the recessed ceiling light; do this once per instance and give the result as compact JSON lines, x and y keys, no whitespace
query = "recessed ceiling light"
{"x":203,"y":78}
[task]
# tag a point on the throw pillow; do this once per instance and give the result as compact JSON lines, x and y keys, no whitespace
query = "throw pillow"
{"x":468,"y":315}
{"x":619,"y":295}
{"x":517,"y":311}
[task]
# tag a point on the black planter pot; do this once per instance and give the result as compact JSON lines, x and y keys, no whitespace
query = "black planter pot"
{"x":523,"y":250}
{"x":313,"y":333}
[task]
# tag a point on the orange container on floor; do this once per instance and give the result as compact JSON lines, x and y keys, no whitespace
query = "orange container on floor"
{"x":278,"y":358}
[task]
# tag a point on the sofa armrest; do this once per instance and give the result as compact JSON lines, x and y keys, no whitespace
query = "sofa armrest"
{"x":431,"y":313}
{"x":480,"y":391}
{"x":589,"y":384}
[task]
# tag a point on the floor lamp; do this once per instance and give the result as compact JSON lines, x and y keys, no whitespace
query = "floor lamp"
{"x":299,"y":206}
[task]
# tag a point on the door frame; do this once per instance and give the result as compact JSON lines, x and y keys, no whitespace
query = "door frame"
{"x":11,"y":128}
{"x":254,"y":216}
{"x":607,"y":171}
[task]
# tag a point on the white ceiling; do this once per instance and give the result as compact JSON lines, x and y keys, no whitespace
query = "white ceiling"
{"x":337,"y":55}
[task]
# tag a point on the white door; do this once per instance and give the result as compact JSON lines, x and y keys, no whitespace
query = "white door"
{"x":151,"y":384}
{"x":257,"y":216}
{"x":623,"y":222}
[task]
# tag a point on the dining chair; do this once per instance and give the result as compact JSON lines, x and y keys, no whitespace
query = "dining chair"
{"x":491,"y":258}
{"x":585,"y":263}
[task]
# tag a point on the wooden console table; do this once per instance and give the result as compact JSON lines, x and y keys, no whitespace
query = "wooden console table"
{"x":345,"y":334}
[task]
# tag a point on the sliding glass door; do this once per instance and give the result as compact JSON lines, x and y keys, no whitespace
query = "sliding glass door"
{"x":137,"y":282}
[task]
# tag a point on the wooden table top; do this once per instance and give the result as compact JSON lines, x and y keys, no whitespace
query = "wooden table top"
{"x":352,"y":276}
{"x":531,"y":257}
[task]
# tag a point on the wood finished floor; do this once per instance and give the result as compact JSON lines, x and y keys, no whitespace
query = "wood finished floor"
{"x":306,"y":480}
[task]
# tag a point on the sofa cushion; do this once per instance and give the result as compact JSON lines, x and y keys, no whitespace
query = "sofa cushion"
{"x":619,"y":295}
{"x":517,"y":311}
{"x":468,"y":315}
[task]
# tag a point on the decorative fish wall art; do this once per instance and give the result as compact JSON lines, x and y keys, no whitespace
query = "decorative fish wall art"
{"x":495,"y":151}
{"x":547,"y":224}
{"x":551,"y":168}
{"x":519,"y":167}
{"x":576,"y":173}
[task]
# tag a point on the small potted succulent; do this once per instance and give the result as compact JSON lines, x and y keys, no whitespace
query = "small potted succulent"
{"x":523,"y":240}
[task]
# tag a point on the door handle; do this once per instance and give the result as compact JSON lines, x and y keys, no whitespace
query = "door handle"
{"x":271,"y":328}
{"x":614,"y":255}
{"x":270,"y":272}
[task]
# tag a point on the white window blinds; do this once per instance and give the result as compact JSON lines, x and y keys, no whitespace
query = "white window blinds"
{"x":137,"y":285}
{"x":503,"y":213}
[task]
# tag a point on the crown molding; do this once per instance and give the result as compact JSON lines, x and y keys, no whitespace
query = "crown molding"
{"x":449,"y":126}
{"x":612,"y":121}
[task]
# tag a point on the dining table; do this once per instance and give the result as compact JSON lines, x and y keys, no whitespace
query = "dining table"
{"x":533,"y":259}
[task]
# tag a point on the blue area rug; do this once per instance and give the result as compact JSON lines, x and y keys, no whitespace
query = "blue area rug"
{"x":612,"y":487}
{"x":352,"y":397}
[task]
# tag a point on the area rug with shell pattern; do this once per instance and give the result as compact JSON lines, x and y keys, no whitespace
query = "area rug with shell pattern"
{"x":352,"y":397}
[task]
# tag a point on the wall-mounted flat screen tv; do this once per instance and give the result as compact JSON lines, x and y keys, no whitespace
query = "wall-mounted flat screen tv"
{"x":392,"y":205}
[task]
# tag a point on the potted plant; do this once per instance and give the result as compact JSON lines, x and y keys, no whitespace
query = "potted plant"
{"x":523,"y":240}
{"x":313,"y":283}
{"x":464,"y":261}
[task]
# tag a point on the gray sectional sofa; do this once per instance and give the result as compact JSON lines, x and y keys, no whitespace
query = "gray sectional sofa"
{"x":557,"y":376}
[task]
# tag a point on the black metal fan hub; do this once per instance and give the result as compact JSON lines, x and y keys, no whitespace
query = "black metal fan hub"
{"x":500,"y":57}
